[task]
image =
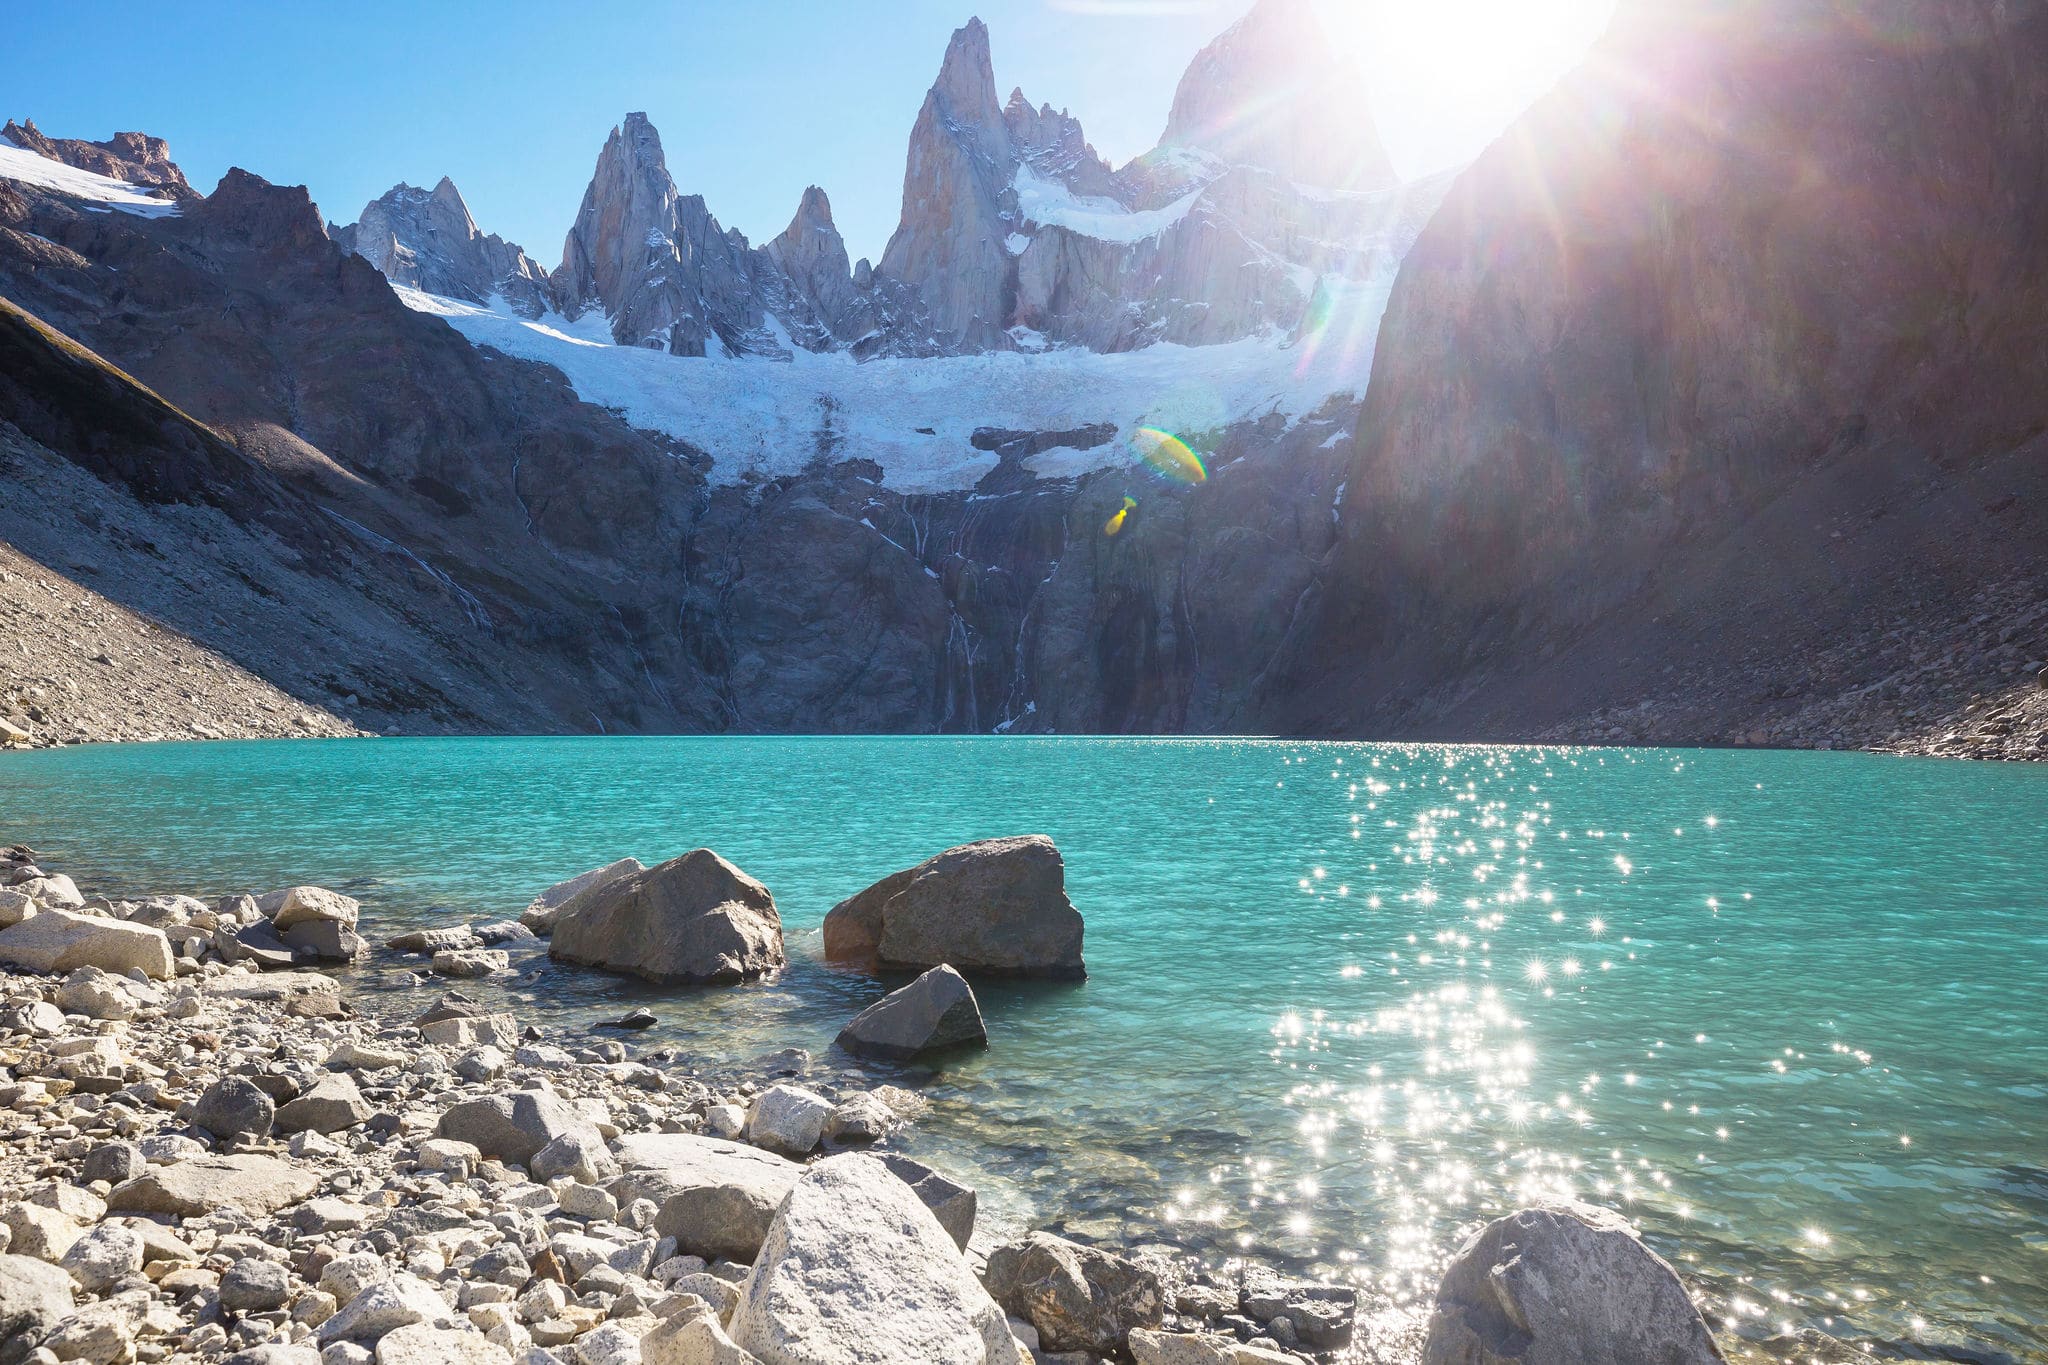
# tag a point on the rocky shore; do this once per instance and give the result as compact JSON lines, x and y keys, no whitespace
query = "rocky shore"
{"x":212,"y":1152}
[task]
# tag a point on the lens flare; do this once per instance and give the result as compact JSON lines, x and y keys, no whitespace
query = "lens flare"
{"x":1116,"y":523}
{"x":1169,"y":455}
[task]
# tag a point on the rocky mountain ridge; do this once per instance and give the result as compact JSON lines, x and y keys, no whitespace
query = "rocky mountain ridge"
{"x":1663,"y":443}
{"x":426,"y":240}
{"x":1014,"y":232}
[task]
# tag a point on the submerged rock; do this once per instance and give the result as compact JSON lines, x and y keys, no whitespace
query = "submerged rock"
{"x":856,"y":1271}
{"x":1564,"y":1284}
{"x":997,"y":906}
{"x":694,"y":919}
{"x":935,"y":1011}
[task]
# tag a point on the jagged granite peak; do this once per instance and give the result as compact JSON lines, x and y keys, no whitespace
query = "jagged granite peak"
{"x":958,"y":202}
{"x":666,"y":274}
{"x":1053,"y":145}
{"x":136,"y":158}
{"x":427,"y":240}
{"x":1274,"y":92}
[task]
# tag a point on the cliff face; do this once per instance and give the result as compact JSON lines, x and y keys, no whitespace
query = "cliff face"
{"x":1748,"y":253}
{"x":426,"y":240}
{"x":136,"y":158}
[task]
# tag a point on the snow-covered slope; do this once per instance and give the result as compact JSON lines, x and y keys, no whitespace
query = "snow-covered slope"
{"x":761,"y":419}
{"x":31,"y":169}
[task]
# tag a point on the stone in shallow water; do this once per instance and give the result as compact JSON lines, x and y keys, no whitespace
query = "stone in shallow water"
{"x":997,"y":906}
{"x":303,"y":904}
{"x":696,"y":919}
{"x":1563,"y":1284}
{"x":541,"y":914}
{"x":938,"y":1010}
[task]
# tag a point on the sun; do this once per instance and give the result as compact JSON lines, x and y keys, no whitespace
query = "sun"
{"x":1476,"y":63}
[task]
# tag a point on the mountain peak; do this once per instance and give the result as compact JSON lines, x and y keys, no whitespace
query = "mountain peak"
{"x":1274,"y":92}
{"x":966,"y":87}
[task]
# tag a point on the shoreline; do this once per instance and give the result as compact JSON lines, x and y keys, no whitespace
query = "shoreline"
{"x":101,"y":1061}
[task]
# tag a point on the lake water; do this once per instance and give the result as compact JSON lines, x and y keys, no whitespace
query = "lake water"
{"x":1789,"y":1011}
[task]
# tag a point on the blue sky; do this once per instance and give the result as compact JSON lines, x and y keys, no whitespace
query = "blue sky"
{"x":754,"y":101}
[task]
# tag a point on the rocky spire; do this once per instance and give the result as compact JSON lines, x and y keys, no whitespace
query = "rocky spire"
{"x":1274,"y":92}
{"x":427,"y":240}
{"x":948,"y":245}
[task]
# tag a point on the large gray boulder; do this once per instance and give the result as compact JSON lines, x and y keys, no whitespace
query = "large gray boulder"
{"x":997,"y":907}
{"x":234,"y":1106}
{"x":938,"y":1010}
{"x":329,"y":1105}
{"x":34,"y":1297}
{"x":716,"y":1198}
{"x":856,"y":1271}
{"x":788,"y":1119}
{"x":1563,"y":1284}
{"x":59,"y":941}
{"x":513,"y":1127}
{"x":256,"y":1185}
{"x":540,"y":915}
{"x":1079,"y":1298}
{"x":694,"y":919}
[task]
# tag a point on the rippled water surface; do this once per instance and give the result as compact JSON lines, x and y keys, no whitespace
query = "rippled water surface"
{"x":1788,"y":1010}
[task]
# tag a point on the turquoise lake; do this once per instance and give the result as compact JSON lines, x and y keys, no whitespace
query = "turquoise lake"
{"x":1790,"y":1011}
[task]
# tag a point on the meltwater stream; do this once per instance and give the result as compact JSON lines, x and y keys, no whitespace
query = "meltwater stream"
{"x":1789,"y":1011}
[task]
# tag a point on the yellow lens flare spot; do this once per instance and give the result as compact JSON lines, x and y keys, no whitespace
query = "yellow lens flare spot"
{"x":1169,"y":455}
{"x":1116,"y":523}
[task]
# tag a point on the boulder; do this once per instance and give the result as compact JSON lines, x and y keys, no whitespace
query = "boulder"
{"x":34,"y":1297}
{"x":1079,"y":1298}
{"x":38,"y":1231}
{"x":15,"y":906}
{"x":104,"y":1257}
{"x":513,"y":1127}
{"x":581,"y":1156}
{"x":323,"y":940}
{"x":692,"y":1339}
{"x":997,"y":907}
{"x":472,"y":1030}
{"x":469,"y":963}
{"x":430,"y":941}
{"x":1563,"y":1284}
{"x":255,"y":1284}
{"x":304,"y":904}
{"x":256,"y":1185}
{"x":256,"y":943}
{"x":693,"y":919}
{"x":856,"y":1271}
{"x":788,"y":1119}
{"x":951,"y":1202}
{"x":1319,"y":1316}
{"x":937,"y":1010}
{"x":58,"y":941}
{"x":330,"y":1105}
{"x":96,"y":995}
{"x":385,"y":1306}
{"x":234,"y":1106}
{"x":52,"y":889}
{"x":546,"y":908}
{"x":716,"y":1198}
{"x":1180,"y":1348}
{"x":421,"y":1343}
